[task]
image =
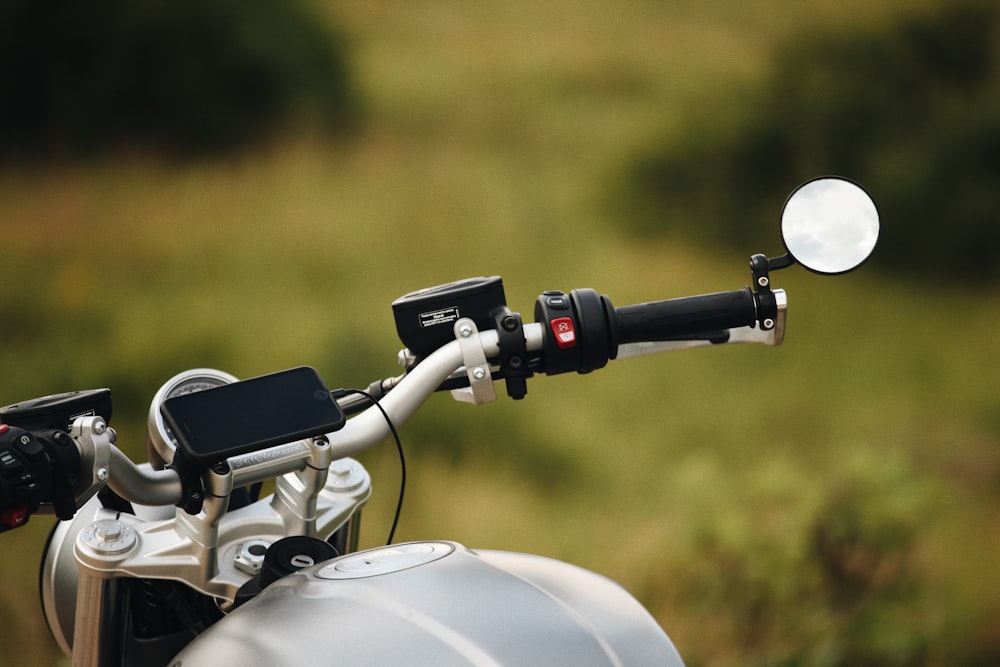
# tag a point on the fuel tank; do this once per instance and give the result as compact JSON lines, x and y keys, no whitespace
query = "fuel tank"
{"x":437,"y":603}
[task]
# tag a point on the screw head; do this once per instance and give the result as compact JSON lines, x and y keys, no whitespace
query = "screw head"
{"x":479,"y":373}
{"x":109,"y":537}
{"x":346,"y":475}
{"x":465,"y":331}
{"x":109,"y":531}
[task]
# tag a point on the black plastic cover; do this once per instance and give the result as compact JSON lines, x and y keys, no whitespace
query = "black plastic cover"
{"x":424,"y":319}
{"x":58,"y":411}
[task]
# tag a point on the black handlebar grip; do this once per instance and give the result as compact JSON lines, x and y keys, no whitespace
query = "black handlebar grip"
{"x":686,"y":316}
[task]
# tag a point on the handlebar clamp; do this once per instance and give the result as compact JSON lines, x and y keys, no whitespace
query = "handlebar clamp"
{"x":513,"y":352}
{"x":767,"y":306}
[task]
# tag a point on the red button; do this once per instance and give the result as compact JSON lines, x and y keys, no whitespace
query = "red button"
{"x":4,"y":428}
{"x":564,"y":331}
{"x":14,"y":516}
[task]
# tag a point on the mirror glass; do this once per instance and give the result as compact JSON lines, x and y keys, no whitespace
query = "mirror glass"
{"x":830,"y":225}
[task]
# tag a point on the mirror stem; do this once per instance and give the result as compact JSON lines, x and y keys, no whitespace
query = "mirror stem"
{"x":782,"y":262}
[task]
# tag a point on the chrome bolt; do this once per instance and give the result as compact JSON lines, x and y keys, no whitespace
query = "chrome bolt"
{"x":479,"y":373}
{"x":345,"y":475}
{"x":465,"y":331}
{"x":768,"y":323}
{"x":102,"y":474}
{"x":108,"y":531}
{"x":763,"y":281}
{"x":100,"y":427}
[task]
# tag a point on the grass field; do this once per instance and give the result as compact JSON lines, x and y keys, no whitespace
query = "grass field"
{"x":831,"y":501}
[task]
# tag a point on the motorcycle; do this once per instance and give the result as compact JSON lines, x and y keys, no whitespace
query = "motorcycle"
{"x":180,"y":561}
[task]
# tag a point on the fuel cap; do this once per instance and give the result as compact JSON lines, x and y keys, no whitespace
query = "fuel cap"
{"x":385,"y":560}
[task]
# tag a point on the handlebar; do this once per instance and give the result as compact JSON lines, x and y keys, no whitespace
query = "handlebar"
{"x":580,"y":331}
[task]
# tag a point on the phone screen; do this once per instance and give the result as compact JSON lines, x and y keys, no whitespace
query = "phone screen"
{"x":214,"y":424}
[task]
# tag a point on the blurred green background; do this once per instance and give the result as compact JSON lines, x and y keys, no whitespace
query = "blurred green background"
{"x":248,"y":188}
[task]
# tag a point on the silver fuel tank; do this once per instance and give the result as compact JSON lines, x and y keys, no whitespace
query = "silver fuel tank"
{"x":437,"y":603}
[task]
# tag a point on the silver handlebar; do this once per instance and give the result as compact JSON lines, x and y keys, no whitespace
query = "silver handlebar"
{"x":143,"y":485}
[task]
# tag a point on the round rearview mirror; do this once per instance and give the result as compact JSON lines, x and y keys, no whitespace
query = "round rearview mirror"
{"x":830,"y":225}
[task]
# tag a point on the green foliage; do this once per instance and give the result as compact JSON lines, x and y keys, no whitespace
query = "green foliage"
{"x":178,"y":76}
{"x":734,"y":491}
{"x":831,"y":582}
{"x":912,"y":111}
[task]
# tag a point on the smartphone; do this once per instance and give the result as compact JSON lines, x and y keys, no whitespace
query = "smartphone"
{"x":250,"y":415}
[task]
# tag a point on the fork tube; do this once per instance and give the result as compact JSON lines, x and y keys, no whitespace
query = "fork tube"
{"x":87,"y":628}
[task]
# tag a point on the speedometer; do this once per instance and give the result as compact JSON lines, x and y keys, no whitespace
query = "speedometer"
{"x":160,"y":442}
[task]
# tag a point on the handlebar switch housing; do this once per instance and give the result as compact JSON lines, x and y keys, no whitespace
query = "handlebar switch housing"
{"x":554,"y":310}
{"x":24,"y":476}
{"x":579,"y":333}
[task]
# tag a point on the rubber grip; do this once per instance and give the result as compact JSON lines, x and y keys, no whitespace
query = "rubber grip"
{"x":686,"y":316}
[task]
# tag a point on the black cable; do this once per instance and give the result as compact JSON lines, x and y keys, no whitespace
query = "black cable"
{"x":399,"y":448}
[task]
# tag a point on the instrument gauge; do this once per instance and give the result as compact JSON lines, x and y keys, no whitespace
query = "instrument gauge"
{"x":160,"y":442}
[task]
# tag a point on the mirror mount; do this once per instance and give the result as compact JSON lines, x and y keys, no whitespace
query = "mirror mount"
{"x":783,"y":262}
{"x":761,"y":267}
{"x":767,"y":303}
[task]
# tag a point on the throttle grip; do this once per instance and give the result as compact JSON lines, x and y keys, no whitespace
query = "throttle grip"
{"x":582,"y":330}
{"x":686,"y":316}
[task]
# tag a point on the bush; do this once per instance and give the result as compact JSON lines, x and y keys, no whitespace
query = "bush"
{"x":911,"y":111}
{"x":836,"y":583}
{"x":180,"y":76}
